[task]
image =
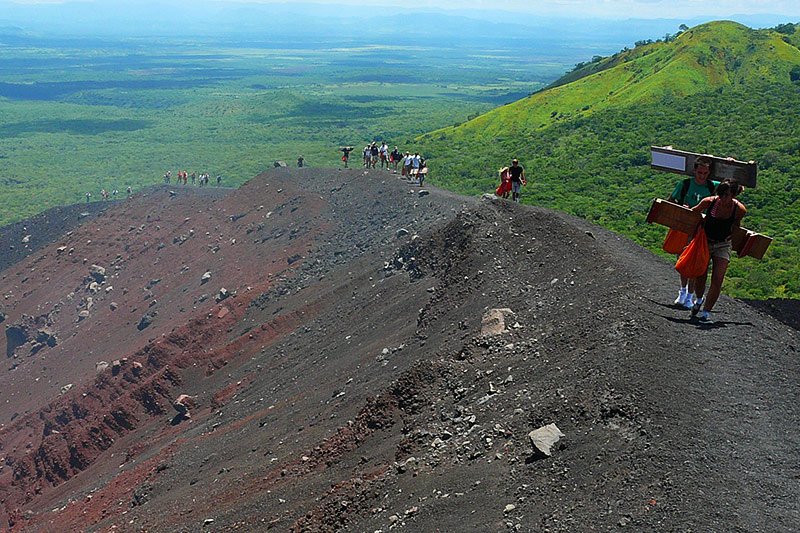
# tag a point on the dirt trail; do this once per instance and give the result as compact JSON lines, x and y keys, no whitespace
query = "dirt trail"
{"x":345,"y":383}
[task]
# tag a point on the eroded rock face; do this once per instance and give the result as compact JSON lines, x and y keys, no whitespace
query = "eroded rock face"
{"x":31,"y":332}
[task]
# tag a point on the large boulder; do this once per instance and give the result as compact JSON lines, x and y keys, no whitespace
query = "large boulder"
{"x":544,"y":438}
{"x":494,"y":322}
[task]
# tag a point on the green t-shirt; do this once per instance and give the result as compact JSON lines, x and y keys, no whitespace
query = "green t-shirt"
{"x":694,"y":194}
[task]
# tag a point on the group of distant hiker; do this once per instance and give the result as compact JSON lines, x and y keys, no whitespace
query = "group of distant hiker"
{"x":106,"y":195}
{"x":412,"y":166}
{"x":183,"y":177}
{"x":723,"y":214}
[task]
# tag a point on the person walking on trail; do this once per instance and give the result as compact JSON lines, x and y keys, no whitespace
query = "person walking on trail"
{"x":367,"y":153}
{"x":384,"y":155}
{"x":505,"y":183}
{"x":688,"y":193}
{"x":517,"y":173}
{"x":88,"y":197}
{"x":374,"y":151}
{"x":346,"y":154}
{"x":423,"y":171}
{"x":724,"y":214}
{"x":416,"y":160}
{"x":219,"y":180}
{"x":300,"y":162}
{"x":407,"y":165}
{"x":395,"y":157}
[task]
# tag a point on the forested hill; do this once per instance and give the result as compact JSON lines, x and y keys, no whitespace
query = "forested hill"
{"x":717,"y":88}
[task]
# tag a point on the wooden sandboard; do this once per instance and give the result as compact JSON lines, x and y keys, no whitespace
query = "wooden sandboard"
{"x":744,"y":242}
{"x":668,"y":159}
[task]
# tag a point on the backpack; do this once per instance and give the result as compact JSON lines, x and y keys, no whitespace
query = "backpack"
{"x":685,"y":189}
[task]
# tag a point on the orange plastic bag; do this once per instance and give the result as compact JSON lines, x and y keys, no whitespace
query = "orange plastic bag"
{"x":675,"y":241}
{"x":693,"y":262}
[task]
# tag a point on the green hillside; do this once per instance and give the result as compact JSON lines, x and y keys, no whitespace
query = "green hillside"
{"x":718,"y":88}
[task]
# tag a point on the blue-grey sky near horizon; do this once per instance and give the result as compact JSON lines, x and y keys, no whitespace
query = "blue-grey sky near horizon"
{"x":647,"y":9}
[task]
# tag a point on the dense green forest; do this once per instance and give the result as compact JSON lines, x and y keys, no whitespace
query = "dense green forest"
{"x":594,"y":163}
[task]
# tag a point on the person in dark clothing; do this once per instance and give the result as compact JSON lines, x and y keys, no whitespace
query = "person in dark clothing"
{"x":373,"y":154}
{"x":517,"y":173}
{"x":723,"y":215}
{"x":346,"y":154}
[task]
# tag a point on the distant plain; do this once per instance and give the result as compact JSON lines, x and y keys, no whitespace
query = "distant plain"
{"x":80,"y":117}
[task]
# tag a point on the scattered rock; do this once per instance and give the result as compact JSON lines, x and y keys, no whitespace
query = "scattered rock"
{"x":46,"y":336}
{"x":100,"y":366}
{"x":182,"y":404}
{"x":146,"y":320}
{"x":205,"y":278}
{"x":98,"y":273}
{"x":279,"y":164}
{"x":222,"y":295}
{"x":423,"y":192}
{"x":510,"y":507}
{"x":402,"y":232}
{"x":65,"y":389}
{"x":152,"y":283}
{"x":544,"y":438}
{"x":114,"y":306}
{"x":494,"y":322}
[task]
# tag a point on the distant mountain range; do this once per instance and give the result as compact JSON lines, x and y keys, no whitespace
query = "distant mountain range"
{"x":719,"y":88}
{"x":318,"y":23}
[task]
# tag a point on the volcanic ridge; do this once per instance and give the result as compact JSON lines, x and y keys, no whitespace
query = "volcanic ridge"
{"x":326,"y":350}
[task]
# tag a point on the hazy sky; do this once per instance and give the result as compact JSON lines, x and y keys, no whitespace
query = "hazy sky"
{"x":602,"y":8}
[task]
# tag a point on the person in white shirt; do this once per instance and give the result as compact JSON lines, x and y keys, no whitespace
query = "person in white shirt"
{"x":384,"y":154}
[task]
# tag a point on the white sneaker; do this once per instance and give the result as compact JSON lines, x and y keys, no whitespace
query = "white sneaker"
{"x":690,"y":301}
{"x":681,"y":299}
{"x":704,"y":316}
